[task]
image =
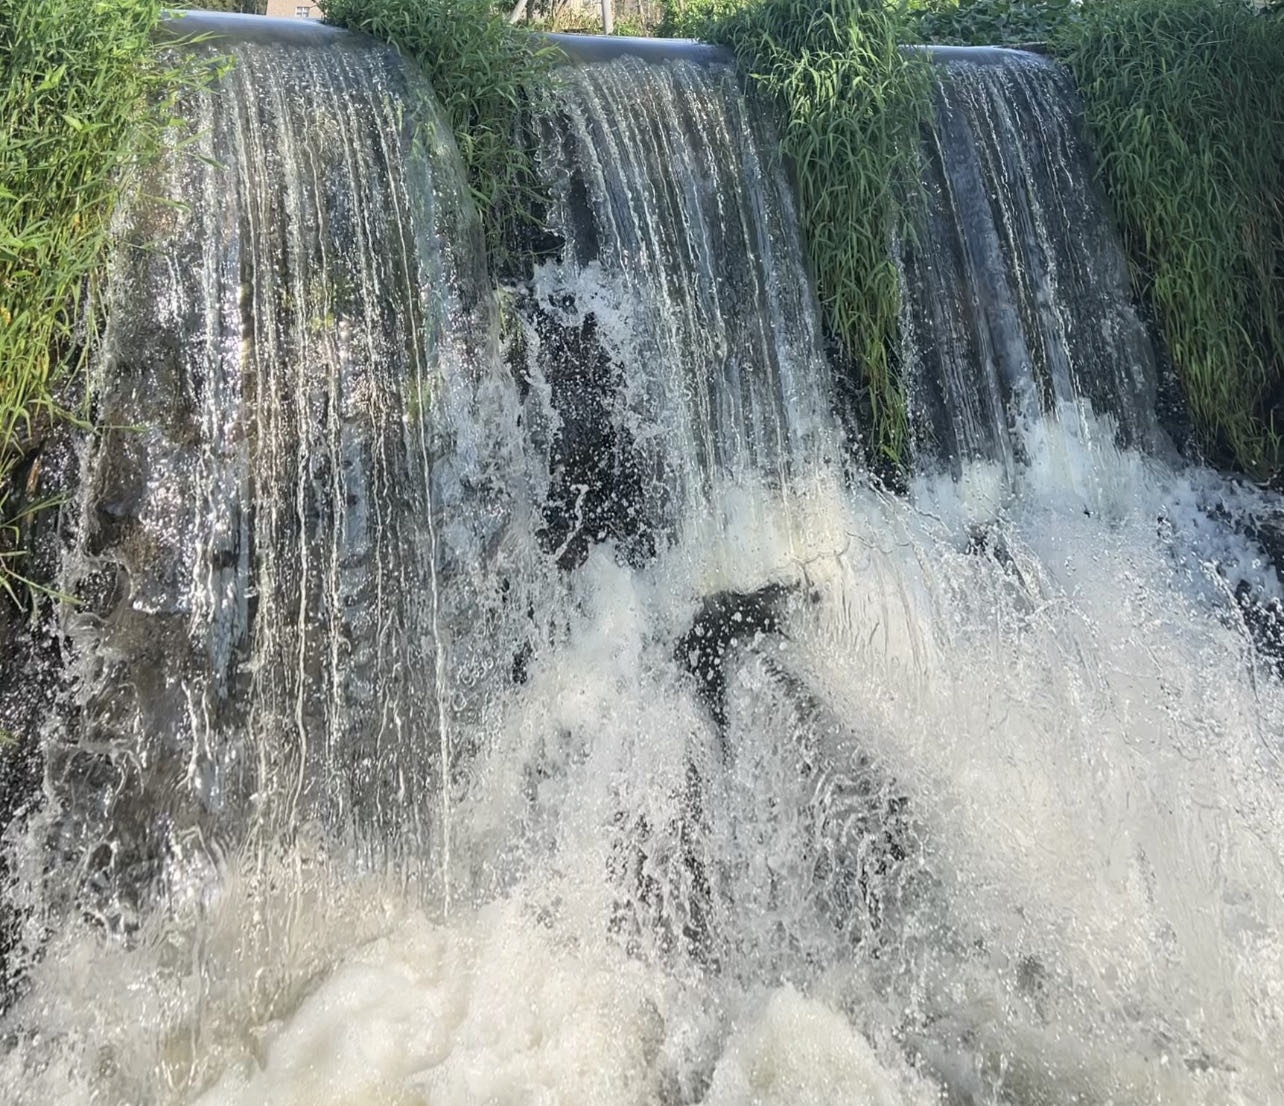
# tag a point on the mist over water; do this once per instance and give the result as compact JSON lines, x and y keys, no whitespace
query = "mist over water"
{"x":685,"y":764}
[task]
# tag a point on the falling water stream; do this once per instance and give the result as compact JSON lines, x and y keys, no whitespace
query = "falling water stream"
{"x":569,"y":719}
{"x":1020,"y":295}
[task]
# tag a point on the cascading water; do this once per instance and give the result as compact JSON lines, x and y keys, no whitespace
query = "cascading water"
{"x":582,"y":728}
{"x":258,"y":643}
{"x":1019,"y":295}
{"x":681,"y":254}
{"x":255,"y":648}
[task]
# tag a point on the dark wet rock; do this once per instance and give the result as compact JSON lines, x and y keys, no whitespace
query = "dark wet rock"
{"x":987,"y":541}
{"x":860,"y":833}
{"x":1264,"y":620}
{"x":1268,"y":532}
{"x":1264,"y":614}
{"x":861,"y":830}
{"x":679,"y":918}
{"x":595,"y":490}
{"x":725,"y":620}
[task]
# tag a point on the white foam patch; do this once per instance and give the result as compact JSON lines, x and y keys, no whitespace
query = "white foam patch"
{"x":493,"y":1008}
{"x":496,"y":1008}
{"x":799,"y":1052}
{"x":1095,"y":817}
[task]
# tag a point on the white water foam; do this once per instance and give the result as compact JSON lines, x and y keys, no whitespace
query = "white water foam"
{"x":1084,"y":904}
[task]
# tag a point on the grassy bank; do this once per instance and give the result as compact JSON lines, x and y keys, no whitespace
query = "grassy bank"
{"x":84,"y":95}
{"x":1184,"y":105}
{"x":1185,"y":108}
{"x":991,"y":22}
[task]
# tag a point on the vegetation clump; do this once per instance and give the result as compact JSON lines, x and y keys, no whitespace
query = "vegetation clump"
{"x":637,"y":20}
{"x":992,"y":22}
{"x":1185,"y":105}
{"x":487,"y":75}
{"x":852,"y":104}
{"x":85,"y":94}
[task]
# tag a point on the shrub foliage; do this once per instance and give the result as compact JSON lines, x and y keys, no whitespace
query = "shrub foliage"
{"x":1185,"y":105}
{"x":1185,"y":108}
{"x":992,"y":22}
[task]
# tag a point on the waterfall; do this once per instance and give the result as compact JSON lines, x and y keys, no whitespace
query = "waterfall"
{"x":569,"y":718}
{"x":681,"y":254}
{"x":1019,"y":299}
{"x":257,"y":636}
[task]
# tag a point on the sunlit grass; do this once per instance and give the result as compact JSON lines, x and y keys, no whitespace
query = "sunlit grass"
{"x":486,"y":76}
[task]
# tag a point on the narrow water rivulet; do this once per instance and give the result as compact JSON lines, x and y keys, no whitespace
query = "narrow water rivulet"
{"x":569,"y":719}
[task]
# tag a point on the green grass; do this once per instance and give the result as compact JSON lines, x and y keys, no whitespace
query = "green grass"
{"x":696,"y":18}
{"x":84,"y":96}
{"x":486,"y":75}
{"x":991,"y":22}
{"x":1185,"y":105}
{"x":852,"y":105}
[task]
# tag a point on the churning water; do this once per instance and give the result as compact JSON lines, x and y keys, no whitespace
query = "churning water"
{"x":581,"y":726}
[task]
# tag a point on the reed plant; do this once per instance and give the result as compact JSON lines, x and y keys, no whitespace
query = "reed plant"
{"x":85,"y":95}
{"x":852,"y":104}
{"x":487,"y":76}
{"x":1185,"y":105}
